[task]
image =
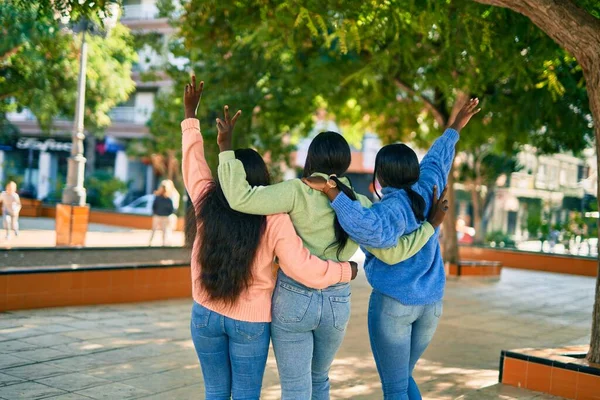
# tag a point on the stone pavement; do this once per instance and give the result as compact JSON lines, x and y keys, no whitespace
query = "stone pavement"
{"x":39,"y":232}
{"x":144,"y":351}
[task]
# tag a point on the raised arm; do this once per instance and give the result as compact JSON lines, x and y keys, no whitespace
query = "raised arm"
{"x":436,"y":164}
{"x":259,"y":200}
{"x":297,"y":262}
{"x":195,"y":170}
{"x":411,"y":244}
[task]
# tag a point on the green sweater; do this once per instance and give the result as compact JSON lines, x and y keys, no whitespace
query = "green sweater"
{"x":309,"y":210}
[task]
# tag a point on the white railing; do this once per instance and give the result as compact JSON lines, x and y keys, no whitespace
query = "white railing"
{"x":25,"y":115}
{"x":122,"y":114}
{"x":130,"y":115}
{"x":139,"y":11}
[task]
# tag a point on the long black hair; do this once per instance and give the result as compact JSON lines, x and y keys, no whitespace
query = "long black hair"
{"x":229,"y":239}
{"x":397,"y":165}
{"x":329,"y":153}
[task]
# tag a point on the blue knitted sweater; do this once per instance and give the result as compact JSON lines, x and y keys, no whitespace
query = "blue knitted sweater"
{"x":421,"y":279}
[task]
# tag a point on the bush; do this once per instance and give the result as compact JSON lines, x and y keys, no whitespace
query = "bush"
{"x":500,"y":239}
{"x":101,"y":188}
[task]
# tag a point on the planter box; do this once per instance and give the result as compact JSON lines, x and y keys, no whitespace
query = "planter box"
{"x":71,"y":224}
{"x":31,"y":208}
{"x":473,"y":268}
{"x":557,"y":263}
{"x":24,"y":288}
{"x":561,"y":372}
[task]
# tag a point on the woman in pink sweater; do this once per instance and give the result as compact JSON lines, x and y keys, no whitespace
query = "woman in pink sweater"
{"x":232,"y":267}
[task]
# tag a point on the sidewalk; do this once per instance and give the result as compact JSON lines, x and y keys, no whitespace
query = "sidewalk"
{"x":144,"y":350}
{"x":39,"y":232}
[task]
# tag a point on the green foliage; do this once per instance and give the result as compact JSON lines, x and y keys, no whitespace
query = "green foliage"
{"x":101,"y":189}
{"x":500,"y":239}
{"x":394,"y":67}
{"x":74,"y":10}
{"x":39,"y":65}
{"x":534,"y":219}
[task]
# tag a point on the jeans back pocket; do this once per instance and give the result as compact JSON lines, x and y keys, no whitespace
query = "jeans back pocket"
{"x":200,"y":315}
{"x":290,"y":302}
{"x":340,"y":307}
{"x":251,"y":330}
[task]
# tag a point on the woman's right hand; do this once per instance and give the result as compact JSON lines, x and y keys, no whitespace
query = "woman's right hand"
{"x":225,"y":130}
{"x":464,"y":115}
{"x":354,"y":267}
{"x":439,"y":208}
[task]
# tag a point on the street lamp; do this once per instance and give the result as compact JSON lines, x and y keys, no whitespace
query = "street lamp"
{"x":72,"y":215}
{"x":74,"y":192}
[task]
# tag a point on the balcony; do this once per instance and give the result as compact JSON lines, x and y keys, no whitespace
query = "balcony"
{"x":25,"y":115}
{"x":132,"y":115}
{"x":139,"y":12}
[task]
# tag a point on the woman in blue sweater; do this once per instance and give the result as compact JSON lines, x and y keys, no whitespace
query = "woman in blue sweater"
{"x":406,"y":302}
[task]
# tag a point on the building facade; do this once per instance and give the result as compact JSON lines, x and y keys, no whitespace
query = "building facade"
{"x":39,"y":161}
{"x":553,"y":185}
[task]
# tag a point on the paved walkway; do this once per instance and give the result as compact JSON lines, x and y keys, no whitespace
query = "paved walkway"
{"x":39,"y":232}
{"x":144,"y":350}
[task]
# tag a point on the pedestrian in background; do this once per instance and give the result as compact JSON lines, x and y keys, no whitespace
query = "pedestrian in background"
{"x":162,"y":208}
{"x":172,"y":193}
{"x":11,"y":206}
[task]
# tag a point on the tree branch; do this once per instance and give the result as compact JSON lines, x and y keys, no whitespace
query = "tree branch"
{"x":10,"y":53}
{"x":437,"y":114}
{"x":567,"y":24}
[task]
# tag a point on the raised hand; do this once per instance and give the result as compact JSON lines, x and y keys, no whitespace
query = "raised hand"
{"x":191,"y":97}
{"x":225,"y":130}
{"x":464,"y":115}
{"x":439,"y":208}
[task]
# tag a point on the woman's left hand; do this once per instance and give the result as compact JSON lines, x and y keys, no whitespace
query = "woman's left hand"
{"x":316,"y":182}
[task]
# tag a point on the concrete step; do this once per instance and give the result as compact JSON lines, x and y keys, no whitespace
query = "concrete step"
{"x":505,"y":392}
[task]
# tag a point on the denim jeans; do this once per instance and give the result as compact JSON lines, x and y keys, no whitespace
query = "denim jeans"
{"x":232,"y":354}
{"x":399,"y":335}
{"x":307,"y":330}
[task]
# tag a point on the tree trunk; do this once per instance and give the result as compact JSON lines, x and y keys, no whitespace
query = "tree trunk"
{"x":477,"y":216}
{"x":450,"y":239}
{"x":578,"y":32}
{"x":592,"y":77}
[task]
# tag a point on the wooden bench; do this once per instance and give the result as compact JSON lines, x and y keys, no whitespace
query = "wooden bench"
{"x":475,"y":268}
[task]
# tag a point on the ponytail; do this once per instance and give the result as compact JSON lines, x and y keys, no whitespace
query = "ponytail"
{"x":341,"y":237}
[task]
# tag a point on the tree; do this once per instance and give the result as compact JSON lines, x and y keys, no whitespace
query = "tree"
{"x":479,"y":170}
{"x":574,"y":25}
{"x":409,"y":67}
{"x":39,"y":65}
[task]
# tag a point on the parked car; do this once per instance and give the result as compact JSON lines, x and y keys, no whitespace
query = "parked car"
{"x":141,"y":206}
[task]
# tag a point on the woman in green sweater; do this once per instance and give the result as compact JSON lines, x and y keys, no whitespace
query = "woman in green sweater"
{"x":308,"y":324}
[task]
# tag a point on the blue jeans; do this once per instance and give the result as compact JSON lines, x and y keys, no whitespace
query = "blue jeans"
{"x":399,"y":335}
{"x":307,"y":330}
{"x":232,"y":354}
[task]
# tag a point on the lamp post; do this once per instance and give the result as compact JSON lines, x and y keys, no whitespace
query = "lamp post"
{"x":73,"y":214}
{"x":74,"y":192}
